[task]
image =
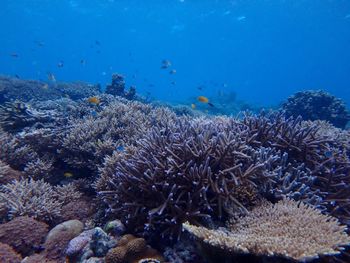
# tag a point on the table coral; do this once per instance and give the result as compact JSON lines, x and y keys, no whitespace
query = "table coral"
{"x":279,"y":230}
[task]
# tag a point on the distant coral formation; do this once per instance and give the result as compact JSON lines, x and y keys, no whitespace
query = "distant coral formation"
{"x":117,"y":88}
{"x":317,"y":105}
{"x":286,"y":229}
{"x":25,"y":90}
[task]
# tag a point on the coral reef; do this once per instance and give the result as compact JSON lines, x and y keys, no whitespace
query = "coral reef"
{"x":26,"y":90}
{"x":35,"y":198}
{"x":133,"y":250}
{"x":8,"y":255}
{"x":24,"y":234}
{"x":279,"y":230}
{"x":317,"y":105}
{"x":189,"y":170}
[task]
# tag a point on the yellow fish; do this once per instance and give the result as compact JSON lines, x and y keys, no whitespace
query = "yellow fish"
{"x":68,"y":174}
{"x":203,"y":99}
{"x":94,"y":100}
{"x":193,"y":106}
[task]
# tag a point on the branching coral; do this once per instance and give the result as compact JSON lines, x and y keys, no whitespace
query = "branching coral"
{"x":323,"y":155}
{"x":288,"y":229}
{"x":317,"y":105}
{"x":35,"y":198}
{"x":121,"y":123}
{"x":188,"y":171}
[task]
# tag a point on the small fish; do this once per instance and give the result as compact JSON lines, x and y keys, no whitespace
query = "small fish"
{"x":60,"y":64}
{"x":93,"y":113}
{"x":14,"y":55}
{"x":45,"y":86}
{"x":51,"y":77}
{"x":83,"y":62}
{"x":165,"y":64}
{"x":94,"y":100}
{"x":98,"y":43}
{"x":17,"y":76}
{"x":173,"y":83}
{"x":203,"y":99}
{"x":173,"y":71}
{"x":68,"y":174}
{"x":201,"y":87}
{"x":241,"y":18}
{"x":193,"y":106}
{"x":211,"y":104}
{"x":40,"y":43}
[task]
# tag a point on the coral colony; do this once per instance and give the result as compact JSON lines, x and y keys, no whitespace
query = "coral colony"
{"x":92,"y":176}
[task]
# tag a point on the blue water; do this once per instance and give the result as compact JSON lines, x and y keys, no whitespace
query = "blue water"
{"x":262,"y":50}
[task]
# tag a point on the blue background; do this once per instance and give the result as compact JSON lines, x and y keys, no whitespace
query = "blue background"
{"x":263,"y":50}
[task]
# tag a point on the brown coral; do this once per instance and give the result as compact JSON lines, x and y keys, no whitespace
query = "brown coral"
{"x":24,"y":234}
{"x":132,"y":250}
{"x":279,"y":230}
{"x":8,"y":255}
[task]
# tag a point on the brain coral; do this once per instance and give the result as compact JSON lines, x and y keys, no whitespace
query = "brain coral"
{"x":288,"y":229}
{"x":8,"y":255}
{"x":24,"y":234}
{"x":132,"y":250}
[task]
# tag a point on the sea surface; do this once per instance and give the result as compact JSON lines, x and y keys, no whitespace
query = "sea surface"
{"x":261,"y":50}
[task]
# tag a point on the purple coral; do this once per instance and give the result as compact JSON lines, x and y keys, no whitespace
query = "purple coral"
{"x":191,"y":170}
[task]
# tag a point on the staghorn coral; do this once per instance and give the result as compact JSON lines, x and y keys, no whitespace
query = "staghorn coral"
{"x":35,"y":198}
{"x":88,"y":141}
{"x":279,"y":230}
{"x":190,"y":170}
{"x":322,"y":154}
{"x":8,"y":255}
{"x":24,"y":234}
{"x":317,"y":105}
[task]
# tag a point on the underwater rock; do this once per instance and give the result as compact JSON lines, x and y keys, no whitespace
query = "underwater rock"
{"x":81,"y":209}
{"x":115,"y":228}
{"x":7,"y":174}
{"x":93,"y":260}
{"x":317,"y":105}
{"x":71,"y":227}
{"x":24,"y":234}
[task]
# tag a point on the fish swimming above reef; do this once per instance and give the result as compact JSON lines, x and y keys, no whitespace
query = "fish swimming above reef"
{"x":165,"y":64}
{"x":94,"y":100}
{"x":51,"y":77}
{"x":193,"y":106}
{"x":203,"y":99}
{"x":173,"y":71}
{"x":60,"y":64}
{"x":68,"y":174}
{"x":14,"y":55}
